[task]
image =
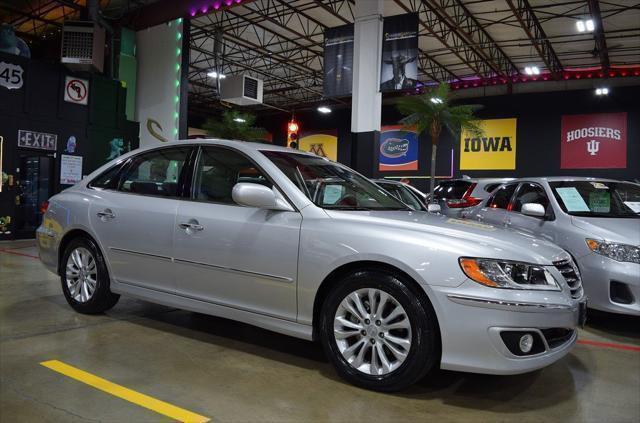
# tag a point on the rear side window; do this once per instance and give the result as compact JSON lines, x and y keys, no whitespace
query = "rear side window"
{"x":490,"y":187}
{"x":155,"y":173}
{"x":500,"y":200}
{"x":451,"y":190}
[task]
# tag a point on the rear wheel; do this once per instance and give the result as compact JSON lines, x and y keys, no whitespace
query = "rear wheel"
{"x":85,"y":279}
{"x":377,"y":332}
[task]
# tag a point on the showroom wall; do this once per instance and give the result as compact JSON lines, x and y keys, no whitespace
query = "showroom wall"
{"x":76,"y":121}
{"x":537,"y":143}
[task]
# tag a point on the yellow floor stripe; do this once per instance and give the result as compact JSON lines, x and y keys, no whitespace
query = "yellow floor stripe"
{"x":119,"y":391}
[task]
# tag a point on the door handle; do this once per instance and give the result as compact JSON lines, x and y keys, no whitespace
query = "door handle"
{"x":106,"y":214}
{"x":191,"y":226}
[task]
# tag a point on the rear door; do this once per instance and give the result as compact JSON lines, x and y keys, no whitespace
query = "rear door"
{"x":227,"y":254}
{"x":134,"y":218}
{"x":495,"y":209}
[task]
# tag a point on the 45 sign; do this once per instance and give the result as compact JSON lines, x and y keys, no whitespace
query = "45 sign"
{"x":11,"y":75}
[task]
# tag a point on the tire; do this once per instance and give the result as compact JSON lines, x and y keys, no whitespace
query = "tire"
{"x":421,"y":330}
{"x":101,"y":298}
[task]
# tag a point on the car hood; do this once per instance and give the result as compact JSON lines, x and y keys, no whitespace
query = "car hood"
{"x":622,"y":230}
{"x":485,"y":240}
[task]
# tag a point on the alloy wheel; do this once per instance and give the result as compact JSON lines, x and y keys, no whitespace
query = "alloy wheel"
{"x":372,"y":331}
{"x":81,"y":274}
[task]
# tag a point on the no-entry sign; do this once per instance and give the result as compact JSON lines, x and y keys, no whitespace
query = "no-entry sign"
{"x":76,"y":90}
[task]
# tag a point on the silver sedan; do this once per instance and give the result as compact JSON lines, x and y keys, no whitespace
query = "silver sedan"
{"x":303,"y":246}
{"x":596,"y":220}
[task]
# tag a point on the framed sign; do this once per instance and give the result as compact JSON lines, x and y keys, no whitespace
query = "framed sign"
{"x":70,"y":169}
{"x":11,"y":76}
{"x":323,"y":144}
{"x":76,"y":90}
{"x":39,"y":140}
{"x":495,"y":149}
{"x":398,"y":149}
{"x":594,"y":141}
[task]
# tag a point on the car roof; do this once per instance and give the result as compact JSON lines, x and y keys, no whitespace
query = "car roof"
{"x":387,"y":181}
{"x":563,"y":179}
{"x":241,"y":145}
{"x":480,"y":180}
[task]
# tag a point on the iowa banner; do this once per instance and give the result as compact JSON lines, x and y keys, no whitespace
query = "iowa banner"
{"x":398,"y":149}
{"x":338,"y":60}
{"x":594,"y":141}
{"x":324,"y":144}
{"x":495,"y":150}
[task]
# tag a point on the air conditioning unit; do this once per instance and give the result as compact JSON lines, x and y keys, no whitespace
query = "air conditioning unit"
{"x":83,"y":46}
{"x":243,"y":90}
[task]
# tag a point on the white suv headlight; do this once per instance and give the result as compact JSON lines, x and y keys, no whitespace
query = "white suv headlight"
{"x":618,"y":252}
{"x":508,"y":274}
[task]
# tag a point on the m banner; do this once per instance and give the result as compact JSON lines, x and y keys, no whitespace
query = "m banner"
{"x":338,"y":60}
{"x":594,"y":141}
{"x":398,"y":149}
{"x":399,"y":53}
{"x":494,"y":150}
{"x":324,"y":144}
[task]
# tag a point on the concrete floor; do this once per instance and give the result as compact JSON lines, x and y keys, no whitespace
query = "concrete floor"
{"x":232,"y":372}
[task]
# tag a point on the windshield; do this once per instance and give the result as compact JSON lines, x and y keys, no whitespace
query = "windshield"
{"x":332,"y":186}
{"x":598,"y":198}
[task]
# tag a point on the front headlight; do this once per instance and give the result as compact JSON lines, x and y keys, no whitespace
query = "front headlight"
{"x":618,"y":252}
{"x":508,"y":274}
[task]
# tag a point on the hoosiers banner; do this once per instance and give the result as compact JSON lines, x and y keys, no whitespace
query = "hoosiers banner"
{"x":594,"y":141}
{"x":324,"y":144}
{"x":494,"y":150}
{"x":398,"y":149}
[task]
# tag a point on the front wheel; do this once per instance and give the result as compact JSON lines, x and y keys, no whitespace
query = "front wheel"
{"x":378,"y":333}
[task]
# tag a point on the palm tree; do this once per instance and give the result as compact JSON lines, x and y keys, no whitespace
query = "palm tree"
{"x":432,"y":112}
{"x":234,"y":125}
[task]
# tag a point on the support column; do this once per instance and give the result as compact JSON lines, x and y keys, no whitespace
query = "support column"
{"x":366,"y":108}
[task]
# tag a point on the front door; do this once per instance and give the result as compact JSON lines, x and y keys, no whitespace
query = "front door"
{"x":495,"y":210}
{"x":541,"y":227}
{"x":240,"y":257}
{"x":35,"y":186}
{"x":134,"y":221}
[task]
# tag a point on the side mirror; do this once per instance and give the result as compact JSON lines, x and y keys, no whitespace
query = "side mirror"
{"x":434,"y":208}
{"x":256,"y":195}
{"x":533,"y":209}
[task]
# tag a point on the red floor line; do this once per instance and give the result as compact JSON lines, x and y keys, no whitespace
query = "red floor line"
{"x":609,"y":345}
{"x":16,"y":253}
{"x":19,"y":248}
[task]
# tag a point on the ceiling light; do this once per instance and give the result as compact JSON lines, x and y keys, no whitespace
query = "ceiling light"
{"x":589,"y":24}
{"x":602,"y":91}
{"x":214,"y":74}
{"x":324,"y":109}
{"x":532,"y":70}
{"x":580,"y":26}
{"x":436,"y":100}
{"x":222,"y":76}
{"x":239,"y":119}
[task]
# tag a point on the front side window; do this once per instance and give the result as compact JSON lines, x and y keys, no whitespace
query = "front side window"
{"x":218,"y":170}
{"x":500,"y":200}
{"x":155,"y":173}
{"x":332,"y":186}
{"x":530,"y":193}
{"x":108,"y":179}
{"x":598,"y":198}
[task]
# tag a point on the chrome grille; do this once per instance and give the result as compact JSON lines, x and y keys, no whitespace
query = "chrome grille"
{"x":571,"y":275}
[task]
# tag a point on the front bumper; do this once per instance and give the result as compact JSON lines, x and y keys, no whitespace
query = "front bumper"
{"x":472,"y":318}
{"x":598,"y":274}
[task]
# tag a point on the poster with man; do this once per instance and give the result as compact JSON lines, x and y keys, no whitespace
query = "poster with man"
{"x":399,"y":53}
{"x":338,"y":61}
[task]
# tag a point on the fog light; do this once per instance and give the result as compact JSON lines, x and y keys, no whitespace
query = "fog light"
{"x":526,"y":343}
